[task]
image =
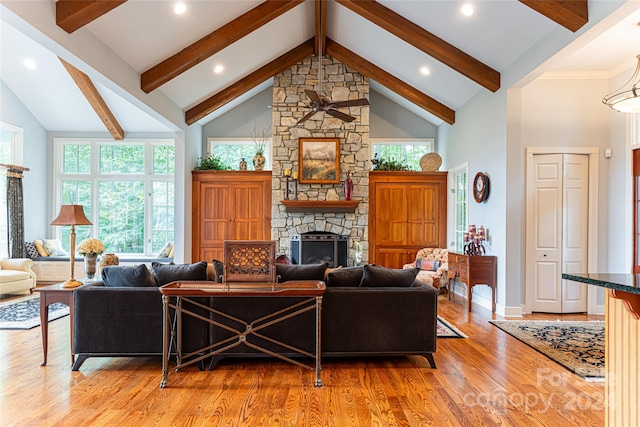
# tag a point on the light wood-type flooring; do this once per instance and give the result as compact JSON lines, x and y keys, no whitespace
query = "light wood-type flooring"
{"x":488,"y":379}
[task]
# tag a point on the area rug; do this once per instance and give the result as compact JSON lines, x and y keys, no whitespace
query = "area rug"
{"x":24,"y":313}
{"x":447,"y":330}
{"x":578,"y":346}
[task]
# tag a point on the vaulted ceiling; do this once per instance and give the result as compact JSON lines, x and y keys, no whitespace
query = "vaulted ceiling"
{"x":175,"y":55}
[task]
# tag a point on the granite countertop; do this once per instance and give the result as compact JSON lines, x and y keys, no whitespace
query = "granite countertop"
{"x":618,"y":281}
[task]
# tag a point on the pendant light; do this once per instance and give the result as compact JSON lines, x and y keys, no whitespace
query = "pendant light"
{"x":627,"y":98}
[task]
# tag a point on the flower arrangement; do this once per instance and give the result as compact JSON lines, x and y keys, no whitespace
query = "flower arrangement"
{"x":261,"y":138}
{"x":90,"y":246}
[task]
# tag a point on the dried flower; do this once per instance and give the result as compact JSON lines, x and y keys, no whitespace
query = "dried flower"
{"x":261,"y":138}
{"x":90,"y":246}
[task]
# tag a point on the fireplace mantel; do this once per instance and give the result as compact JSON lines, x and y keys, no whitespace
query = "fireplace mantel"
{"x":301,"y":206}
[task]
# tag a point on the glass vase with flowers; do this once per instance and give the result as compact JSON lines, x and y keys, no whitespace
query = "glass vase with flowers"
{"x":90,"y":249}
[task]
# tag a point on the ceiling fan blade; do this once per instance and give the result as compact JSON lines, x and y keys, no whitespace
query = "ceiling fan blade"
{"x":306,"y":117}
{"x":342,"y":116}
{"x":350,"y":103}
{"x":313,"y":96}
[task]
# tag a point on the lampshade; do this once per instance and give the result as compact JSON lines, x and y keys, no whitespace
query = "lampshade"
{"x":627,"y":98}
{"x":71,"y":215}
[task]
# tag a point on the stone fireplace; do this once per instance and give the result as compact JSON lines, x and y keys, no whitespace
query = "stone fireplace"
{"x":290,"y":103}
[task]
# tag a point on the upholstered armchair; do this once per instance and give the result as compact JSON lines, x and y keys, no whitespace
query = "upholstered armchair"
{"x":431,"y":272}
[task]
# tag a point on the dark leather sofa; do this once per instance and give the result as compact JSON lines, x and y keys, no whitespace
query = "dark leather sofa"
{"x":377,"y":319}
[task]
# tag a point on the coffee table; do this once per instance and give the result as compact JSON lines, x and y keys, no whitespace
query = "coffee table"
{"x":311,"y":290}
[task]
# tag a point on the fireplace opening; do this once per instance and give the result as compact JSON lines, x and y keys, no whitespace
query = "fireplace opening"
{"x":316,"y":247}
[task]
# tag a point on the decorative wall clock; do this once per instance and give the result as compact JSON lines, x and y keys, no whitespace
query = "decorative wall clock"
{"x":480,"y":187}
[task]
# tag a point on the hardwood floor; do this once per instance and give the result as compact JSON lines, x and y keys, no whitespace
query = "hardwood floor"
{"x":487,"y":379}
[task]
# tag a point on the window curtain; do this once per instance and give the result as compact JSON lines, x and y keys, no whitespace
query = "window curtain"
{"x":15,"y":214}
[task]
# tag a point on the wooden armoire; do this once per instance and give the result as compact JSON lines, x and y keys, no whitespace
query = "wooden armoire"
{"x":407,"y":212}
{"x":228,"y":205}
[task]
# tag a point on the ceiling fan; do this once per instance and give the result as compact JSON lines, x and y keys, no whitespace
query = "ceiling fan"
{"x":325,"y":104}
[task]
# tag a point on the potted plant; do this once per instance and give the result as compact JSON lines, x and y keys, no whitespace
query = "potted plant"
{"x":211,"y":163}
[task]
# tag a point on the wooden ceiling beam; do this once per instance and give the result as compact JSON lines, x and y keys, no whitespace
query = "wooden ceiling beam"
{"x":214,"y":42}
{"x":367,"y":69}
{"x":423,"y":40}
{"x":230,"y":93}
{"x":96,"y":101}
{"x":74,"y":14}
{"x":321,"y":27}
{"x":570,"y":14}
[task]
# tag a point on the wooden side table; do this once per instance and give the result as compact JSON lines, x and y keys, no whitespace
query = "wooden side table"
{"x":50,"y":295}
{"x":474,"y":270}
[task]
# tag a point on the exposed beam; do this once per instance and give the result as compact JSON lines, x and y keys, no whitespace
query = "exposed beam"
{"x":570,"y":14}
{"x":95,"y":99}
{"x":74,"y":14}
{"x":370,"y":70}
{"x":230,"y":93}
{"x":321,"y":27}
{"x":423,"y":40}
{"x":214,"y":42}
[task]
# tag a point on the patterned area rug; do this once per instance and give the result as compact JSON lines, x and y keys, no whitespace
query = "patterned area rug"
{"x":24,"y":313}
{"x":447,"y":330}
{"x":578,"y":346}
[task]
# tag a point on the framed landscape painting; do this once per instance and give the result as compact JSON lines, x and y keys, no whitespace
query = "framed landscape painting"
{"x":319,"y":160}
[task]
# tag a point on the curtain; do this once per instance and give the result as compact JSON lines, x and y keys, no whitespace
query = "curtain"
{"x":15,"y":214}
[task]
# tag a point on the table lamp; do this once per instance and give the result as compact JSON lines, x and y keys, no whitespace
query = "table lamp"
{"x":71,"y":215}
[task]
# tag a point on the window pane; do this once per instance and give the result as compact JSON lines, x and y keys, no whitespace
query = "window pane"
{"x":163,"y":159}
{"x":121,"y":216}
{"x":76,"y":158}
{"x":231,"y":154}
{"x":407,"y":154}
{"x":122,"y":159}
{"x":162,"y":215}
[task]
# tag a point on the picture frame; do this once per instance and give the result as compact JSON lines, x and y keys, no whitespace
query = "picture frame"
{"x":319,"y":160}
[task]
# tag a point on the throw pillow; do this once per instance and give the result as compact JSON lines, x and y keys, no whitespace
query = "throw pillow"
{"x":40,"y":247}
{"x":167,"y":273}
{"x":166,"y":251}
{"x":32,"y":251}
{"x":218,"y":268}
{"x":427,"y":264}
{"x":137,"y":276}
{"x":388,"y":277}
{"x":329,"y":270}
{"x":345,"y":277}
{"x":54,"y":247}
{"x":287,"y":272}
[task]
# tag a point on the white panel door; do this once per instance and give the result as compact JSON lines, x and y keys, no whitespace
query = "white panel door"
{"x":575,"y":230}
{"x":547,"y":233}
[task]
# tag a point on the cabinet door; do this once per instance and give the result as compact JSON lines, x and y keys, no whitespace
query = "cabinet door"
{"x":393,"y":258}
{"x":423,"y":215}
{"x":215,"y":214}
{"x":391,"y":214}
{"x":248,"y":212}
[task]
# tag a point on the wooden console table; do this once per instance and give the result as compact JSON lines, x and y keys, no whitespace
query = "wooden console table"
{"x":474,"y":270}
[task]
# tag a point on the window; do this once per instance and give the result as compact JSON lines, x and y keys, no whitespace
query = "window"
{"x":10,"y":153}
{"x":406,"y":151}
{"x":232,"y":151}
{"x":126,"y":188}
{"x":458,"y":184}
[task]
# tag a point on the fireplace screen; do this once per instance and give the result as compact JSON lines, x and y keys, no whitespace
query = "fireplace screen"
{"x":316,"y":248}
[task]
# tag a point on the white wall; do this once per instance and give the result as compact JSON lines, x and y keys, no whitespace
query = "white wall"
{"x":390,"y":120}
{"x":34,"y":143}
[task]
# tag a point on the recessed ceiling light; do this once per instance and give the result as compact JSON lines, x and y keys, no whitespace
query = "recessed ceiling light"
{"x":467,"y":10}
{"x":30,"y":63}
{"x":179,"y":8}
{"x":218,"y":69}
{"x":425,"y":71}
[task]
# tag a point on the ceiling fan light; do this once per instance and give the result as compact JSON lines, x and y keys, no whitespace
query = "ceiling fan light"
{"x":627,"y":98}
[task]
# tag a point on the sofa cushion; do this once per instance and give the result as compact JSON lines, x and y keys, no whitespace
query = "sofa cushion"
{"x":427,"y":264}
{"x":167,"y":273}
{"x":7,"y":276}
{"x":137,"y":276}
{"x":345,"y":277}
{"x":287,"y":272}
{"x":31,"y":249}
{"x":388,"y":277}
{"x":54,"y":247}
{"x":40,"y":247}
{"x":218,"y":268}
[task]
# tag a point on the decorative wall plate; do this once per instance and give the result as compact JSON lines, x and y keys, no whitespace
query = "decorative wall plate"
{"x":480,"y":187}
{"x":430,"y":162}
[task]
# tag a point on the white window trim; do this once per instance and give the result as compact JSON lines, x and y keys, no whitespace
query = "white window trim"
{"x":95,"y":177}
{"x":211,"y":141}
{"x":429,"y":142}
{"x":452,"y":197}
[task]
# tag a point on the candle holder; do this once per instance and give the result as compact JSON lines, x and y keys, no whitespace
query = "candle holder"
{"x":295,"y":188}
{"x":474,"y":241}
{"x":286,"y":188}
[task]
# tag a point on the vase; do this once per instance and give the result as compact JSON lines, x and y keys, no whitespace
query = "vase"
{"x":348,"y":186}
{"x":90,"y":265}
{"x":243,"y":164}
{"x":109,"y":259}
{"x":258,"y":162}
